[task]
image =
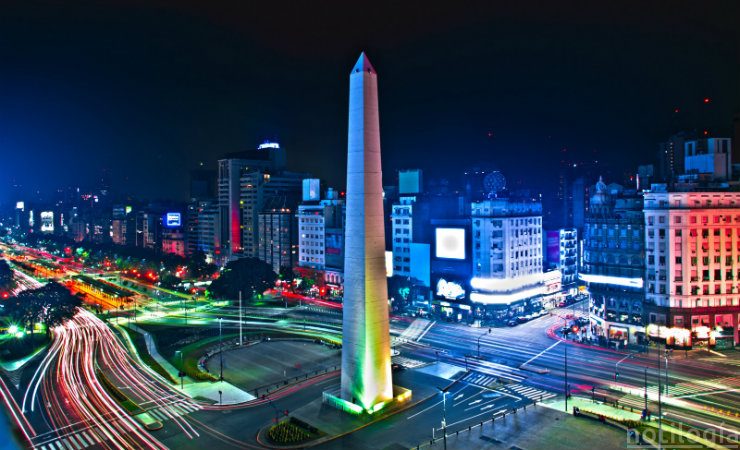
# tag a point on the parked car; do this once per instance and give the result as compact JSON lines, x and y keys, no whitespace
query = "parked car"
{"x":512,"y":322}
{"x":522,"y":319}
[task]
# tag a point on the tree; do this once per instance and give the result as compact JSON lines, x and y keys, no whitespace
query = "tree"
{"x":169,"y":281}
{"x":251,"y":276}
{"x":6,"y":276}
{"x":198,"y":266}
{"x":287,"y":274}
{"x":51,"y":305}
{"x":399,"y":289}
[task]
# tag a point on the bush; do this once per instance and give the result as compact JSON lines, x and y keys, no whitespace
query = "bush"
{"x":288,"y":432}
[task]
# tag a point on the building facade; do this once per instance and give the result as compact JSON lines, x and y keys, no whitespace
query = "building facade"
{"x":276,"y":236}
{"x":507,"y":257}
{"x":614,"y":263}
{"x":321,"y":241}
{"x":693,"y":264}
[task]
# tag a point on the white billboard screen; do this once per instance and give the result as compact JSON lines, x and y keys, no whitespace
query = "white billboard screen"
{"x":450,"y":243}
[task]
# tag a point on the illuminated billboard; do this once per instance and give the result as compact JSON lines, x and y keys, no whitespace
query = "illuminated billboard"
{"x":311,"y":189}
{"x":388,"y":264}
{"x":173,"y":220}
{"x":47,"y":221}
{"x":449,"y":243}
{"x":451,"y":290}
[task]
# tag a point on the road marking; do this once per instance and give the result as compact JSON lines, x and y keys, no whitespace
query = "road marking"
{"x":473,"y":417}
{"x":540,"y":353}
{"x":475,"y":402}
{"x":459,"y":397}
{"x":424,"y":410}
{"x":426,"y":331}
{"x":701,"y":394}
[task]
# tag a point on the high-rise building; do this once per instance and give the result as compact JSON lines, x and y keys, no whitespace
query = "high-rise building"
{"x":276,"y":236}
{"x":148,"y":229}
{"x":260,"y":191}
{"x":614,"y":262}
{"x":208,"y":230}
{"x":410,"y":225}
{"x":693,"y":265}
{"x":712,"y":156}
{"x":507,"y":256}
{"x":123,"y":226}
{"x":321,"y":239}
{"x":671,"y":157}
{"x":239,"y":174}
{"x":561,"y":253}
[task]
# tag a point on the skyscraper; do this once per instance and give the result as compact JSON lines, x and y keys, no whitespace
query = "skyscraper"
{"x":366,"y":354}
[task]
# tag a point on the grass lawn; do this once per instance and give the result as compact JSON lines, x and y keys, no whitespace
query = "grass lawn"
{"x":138,"y":341}
{"x":12,"y":349}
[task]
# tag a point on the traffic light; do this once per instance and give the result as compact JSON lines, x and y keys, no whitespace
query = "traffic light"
{"x":575,"y":328}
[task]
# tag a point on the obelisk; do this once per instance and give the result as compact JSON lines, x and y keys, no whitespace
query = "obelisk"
{"x":366,"y":350}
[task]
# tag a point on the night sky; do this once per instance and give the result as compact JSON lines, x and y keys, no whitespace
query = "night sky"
{"x":148,"y":89}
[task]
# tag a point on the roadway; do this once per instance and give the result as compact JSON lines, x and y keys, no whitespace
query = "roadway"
{"x":61,"y":398}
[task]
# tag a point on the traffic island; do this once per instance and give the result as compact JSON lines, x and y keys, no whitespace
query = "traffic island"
{"x":332,"y":421}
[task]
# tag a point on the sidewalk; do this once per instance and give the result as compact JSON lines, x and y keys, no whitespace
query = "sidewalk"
{"x":217,"y":392}
{"x":536,"y":428}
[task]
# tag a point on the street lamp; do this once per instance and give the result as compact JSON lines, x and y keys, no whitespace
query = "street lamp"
{"x":567,"y":386}
{"x":444,"y":416}
{"x":182,"y":370}
{"x":666,"y":372}
{"x":220,"y":348}
{"x":479,"y":338}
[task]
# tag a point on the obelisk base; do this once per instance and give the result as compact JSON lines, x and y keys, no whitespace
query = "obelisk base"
{"x":332,"y":397}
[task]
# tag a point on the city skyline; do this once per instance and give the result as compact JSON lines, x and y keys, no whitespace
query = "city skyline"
{"x":147,"y":95}
{"x":215,"y":255}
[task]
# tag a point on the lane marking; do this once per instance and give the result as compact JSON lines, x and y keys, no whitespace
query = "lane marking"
{"x":540,"y":353}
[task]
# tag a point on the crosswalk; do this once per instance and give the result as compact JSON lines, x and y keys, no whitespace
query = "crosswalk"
{"x":75,"y":441}
{"x":168,"y":412}
{"x":481,"y":380}
{"x":721,"y":360}
{"x":80,"y":440}
{"x":409,"y":363}
{"x":414,"y":332}
{"x":531,"y":393}
{"x":689,"y":388}
{"x":493,"y":382}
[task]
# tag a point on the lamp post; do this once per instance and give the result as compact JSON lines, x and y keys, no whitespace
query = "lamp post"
{"x":220,"y":348}
{"x":660,"y":405}
{"x":240,"y":318}
{"x":444,"y":416}
{"x":479,"y":338}
{"x":666,"y":372}
{"x":182,"y":370}
{"x":565,"y":364}
{"x":646,"y":396}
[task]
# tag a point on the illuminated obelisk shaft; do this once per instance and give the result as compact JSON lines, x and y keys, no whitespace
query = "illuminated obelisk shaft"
{"x":366,"y":352}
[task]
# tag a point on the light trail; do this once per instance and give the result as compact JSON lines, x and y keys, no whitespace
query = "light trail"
{"x":84,"y":349}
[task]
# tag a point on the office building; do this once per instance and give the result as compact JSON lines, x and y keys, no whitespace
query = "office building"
{"x":614,"y":263}
{"x":693,"y":266}
{"x":507,"y":256}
